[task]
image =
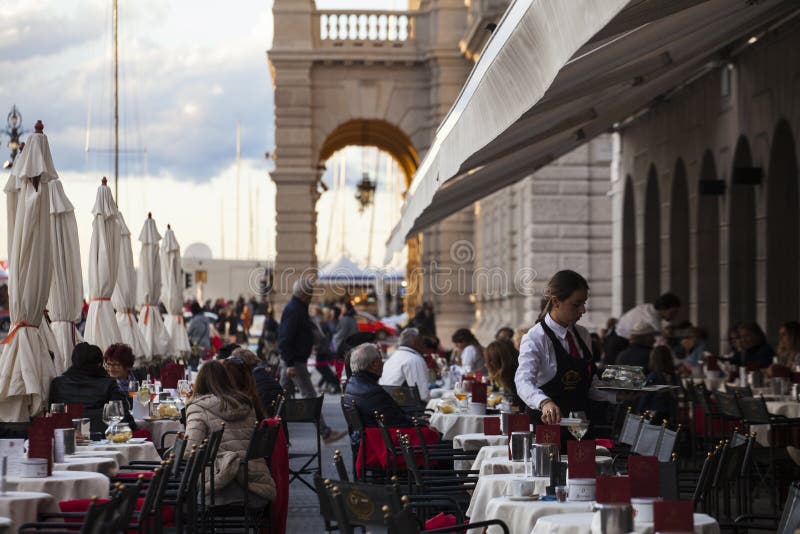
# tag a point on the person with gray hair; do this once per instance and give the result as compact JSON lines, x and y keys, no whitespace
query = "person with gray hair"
{"x":295,"y":341}
{"x":364,"y":392}
{"x":407,"y":366}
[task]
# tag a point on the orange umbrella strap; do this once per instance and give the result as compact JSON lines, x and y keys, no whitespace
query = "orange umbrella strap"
{"x":95,"y":299}
{"x":17,"y":326}
{"x":146,"y":314}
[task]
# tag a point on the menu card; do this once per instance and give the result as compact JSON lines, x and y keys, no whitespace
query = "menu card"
{"x":75,"y":411}
{"x":14,"y":450}
{"x":40,"y":443}
{"x":643,"y":472}
{"x":479,"y":392}
{"x":580,"y":459}
{"x":673,"y":516}
{"x":61,"y":420}
{"x":548,"y":434}
{"x":613,"y":490}
{"x":491,"y":426}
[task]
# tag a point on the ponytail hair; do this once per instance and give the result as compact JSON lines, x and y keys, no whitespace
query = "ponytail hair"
{"x":561,"y":286}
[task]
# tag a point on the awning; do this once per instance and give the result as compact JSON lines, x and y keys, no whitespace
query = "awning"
{"x":556,"y":74}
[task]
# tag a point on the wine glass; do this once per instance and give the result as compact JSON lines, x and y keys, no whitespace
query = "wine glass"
{"x":58,"y":407}
{"x":579,"y":427}
{"x":460,"y":393}
{"x":143,"y":395}
{"x":133,"y":387}
{"x":113,"y":412}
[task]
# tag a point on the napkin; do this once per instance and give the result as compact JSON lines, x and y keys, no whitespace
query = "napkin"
{"x":491,"y":426}
{"x":643,"y":472}
{"x":613,"y":490}
{"x":580,"y":459}
{"x":673,"y":516}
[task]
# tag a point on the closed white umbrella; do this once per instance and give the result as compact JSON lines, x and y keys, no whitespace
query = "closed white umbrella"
{"x":66,"y":292}
{"x":172,"y":295}
{"x":26,"y":368}
{"x":148,"y":291}
{"x":101,"y":323}
{"x":124,"y":297}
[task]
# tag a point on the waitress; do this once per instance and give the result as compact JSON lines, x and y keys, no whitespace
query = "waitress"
{"x":556,"y":365}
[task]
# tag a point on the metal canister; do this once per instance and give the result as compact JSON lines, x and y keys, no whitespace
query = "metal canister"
{"x":520,"y":443}
{"x":34,"y":468}
{"x":541,"y":458}
{"x":613,"y":518}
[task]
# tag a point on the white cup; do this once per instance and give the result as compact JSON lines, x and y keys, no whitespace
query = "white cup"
{"x":477,"y":408}
{"x":521,"y":487}
{"x":581,"y":489}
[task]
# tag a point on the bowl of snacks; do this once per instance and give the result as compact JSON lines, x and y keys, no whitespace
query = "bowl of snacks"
{"x":446,"y":406}
{"x":168,"y":410}
{"x":119,"y":433}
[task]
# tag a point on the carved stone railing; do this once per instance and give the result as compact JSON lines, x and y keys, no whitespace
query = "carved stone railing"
{"x":393,"y":27}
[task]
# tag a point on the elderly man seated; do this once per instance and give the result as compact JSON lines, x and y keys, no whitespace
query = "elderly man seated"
{"x":407,"y":365}
{"x":366,"y":394}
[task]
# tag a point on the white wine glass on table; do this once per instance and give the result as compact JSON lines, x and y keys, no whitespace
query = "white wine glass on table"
{"x":461,"y":394}
{"x":579,"y":426}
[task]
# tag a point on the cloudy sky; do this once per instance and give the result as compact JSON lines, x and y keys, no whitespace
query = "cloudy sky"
{"x":189,"y":71}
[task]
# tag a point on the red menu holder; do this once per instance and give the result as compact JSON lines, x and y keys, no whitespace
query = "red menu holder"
{"x":517,"y":422}
{"x":673,"y":516}
{"x":643,"y":472}
{"x":479,"y":393}
{"x":613,"y":490}
{"x":40,"y":444}
{"x":548,"y":434}
{"x":581,"y":459}
{"x":61,"y":420}
{"x":491,"y":426}
{"x":75,"y":411}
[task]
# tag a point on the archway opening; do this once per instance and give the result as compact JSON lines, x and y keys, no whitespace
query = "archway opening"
{"x":742,"y":243}
{"x":707,"y":256}
{"x":652,"y":237}
{"x":679,"y":236}
{"x":628,"y":247}
{"x":783,"y":231}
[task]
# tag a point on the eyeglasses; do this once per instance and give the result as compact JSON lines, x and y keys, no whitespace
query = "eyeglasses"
{"x":110,"y":365}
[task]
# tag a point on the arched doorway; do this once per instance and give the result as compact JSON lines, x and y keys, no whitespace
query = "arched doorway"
{"x":742,"y":243}
{"x":783,"y":231}
{"x":652,"y":237}
{"x":679,"y":236}
{"x":628,"y":247}
{"x":707,"y":254}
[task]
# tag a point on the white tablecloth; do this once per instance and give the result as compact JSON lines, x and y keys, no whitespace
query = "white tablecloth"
{"x":500,"y":465}
{"x":487,"y":452}
{"x":159,"y":427}
{"x":117,"y":456}
{"x":452,"y":424}
{"x":491,"y":486}
{"x":132,"y":451}
{"x":24,"y":507}
{"x":64,"y":485}
{"x":105,"y":465}
{"x":521,"y":516}
{"x":582,"y":524}
{"x":475,"y":441}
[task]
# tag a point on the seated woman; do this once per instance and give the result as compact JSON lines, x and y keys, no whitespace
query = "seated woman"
{"x":756,"y":352}
{"x":788,"y":353}
{"x":662,"y":372}
{"x":118,"y":361}
{"x":87,"y":383}
{"x":216,"y":400}
{"x":694,"y":345}
{"x":502,"y":360}
{"x":242,"y":379}
{"x":470,"y":351}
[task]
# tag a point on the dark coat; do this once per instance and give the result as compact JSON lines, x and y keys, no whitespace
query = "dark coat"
{"x":368,"y":396}
{"x":757,"y":357}
{"x":268,"y":388}
{"x":636,"y":354}
{"x":295,"y":335}
{"x":92,"y":387}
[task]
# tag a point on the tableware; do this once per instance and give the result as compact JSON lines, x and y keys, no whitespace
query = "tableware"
{"x":626,"y":376}
{"x":580,"y":425}
{"x":58,"y":407}
{"x":168,"y":409}
{"x":133,"y":388}
{"x":613,"y":518}
{"x":541,"y":457}
{"x":119,"y":433}
{"x":137,"y":440}
{"x":113,"y":412}
{"x":522,"y":498}
{"x":581,"y":489}
{"x":522,"y":487}
{"x":33,"y":468}
{"x":520,"y":441}
{"x":643,"y":508}
{"x":477,"y":408}
{"x":143,"y":395}
{"x":561,"y":493}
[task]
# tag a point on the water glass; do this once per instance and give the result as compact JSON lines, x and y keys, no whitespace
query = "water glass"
{"x":58,"y":407}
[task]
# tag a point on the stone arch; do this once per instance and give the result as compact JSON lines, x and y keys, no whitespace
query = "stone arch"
{"x":679,"y":235}
{"x":377,"y":133}
{"x":628,"y":247}
{"x":742,"y":243}
{"x":783,"y":230}
{"x":707,"y":256}
{"x":652,"y":237}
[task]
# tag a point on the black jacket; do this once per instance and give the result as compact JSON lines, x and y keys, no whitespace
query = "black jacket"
{"x":295,"y":337}
{"x":368,"y":396}
{"x":268,"y":388}
{"x":635,"y":354}
{"x":92,"y":387}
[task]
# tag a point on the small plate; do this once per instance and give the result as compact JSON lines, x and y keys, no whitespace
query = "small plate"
{"x":136,"y":441}
{"x":534,"y":497}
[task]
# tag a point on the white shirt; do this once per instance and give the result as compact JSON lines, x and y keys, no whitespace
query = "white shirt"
{"x":409,"y":366}
{"x":538,"y":364}
{"x":643,"y":313}
{"x":472,"y":358}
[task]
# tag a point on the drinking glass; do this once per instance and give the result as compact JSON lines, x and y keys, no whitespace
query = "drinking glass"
{"x":58,"y":407}
{"x":578,"y":429}
{"x":113,"y":412}
{"x":143,"y":395}
{"x":460,"y":394}
{"x":133,"y":387}
{"x":183,"y":389}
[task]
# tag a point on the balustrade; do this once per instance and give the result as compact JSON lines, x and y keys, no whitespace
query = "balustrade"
{"x":391,"y":26}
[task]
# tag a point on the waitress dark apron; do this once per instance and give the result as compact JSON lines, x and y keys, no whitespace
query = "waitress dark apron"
{"x":569,"y":388}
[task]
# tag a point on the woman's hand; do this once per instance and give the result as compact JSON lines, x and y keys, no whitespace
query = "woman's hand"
{"x":551,"y":414}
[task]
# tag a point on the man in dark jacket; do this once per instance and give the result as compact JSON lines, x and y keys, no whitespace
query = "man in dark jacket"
{"x":86,"y":382}
{"x":637,"y":354}
{"x":364,"y":392}
{"x":295,"y":341}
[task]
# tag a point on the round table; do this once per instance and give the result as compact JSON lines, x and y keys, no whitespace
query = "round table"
{"x":117,"y":456}
{"x":581,"y":523}
{"x":487,"y":452}
{"x":500,"y":465}
{"x":145,"y":451}
{"x":491,"y":486}
{"x":22,"y":507}
{"x":522,"y":516}
{"x":64,"y":485}
{"x":475,"y":441}
{"x":105,"y":465}
{"x":452,"y":424}
{"x":159,"y":427}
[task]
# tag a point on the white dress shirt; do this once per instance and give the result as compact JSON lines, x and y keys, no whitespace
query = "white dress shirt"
{"x":643,"y":313}
{"x":538,"y":364}
{"x":406,"y":365}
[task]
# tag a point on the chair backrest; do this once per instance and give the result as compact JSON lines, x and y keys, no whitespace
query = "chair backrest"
{"x":97,"y":519}
{"x":262,"y":441}
{"x":341,"y":469}
{"x":352,"y":417}
{"x":387,"y":441}
{"x":405,"y":396}
{"x":706,"y":476}
{"x":125,"y":502}
{"x":303,"y":410}
{"x":753,"y":410}
{"x":404,"y":521}
{"x":668,"y":480}
{"x":191,"y":472}
{"x":154,"y":494}
{"x":666,"y":446}
{"x":422,"y":443}
{"x":178,"y":450}
{"x":728,"y":407}
{"x":360,"y":504}
{"x":729,"y":464}
{"x":648,"y":440}
{"x":326,"y":504}
{"x":414,"y":473}
{"x":214,"y":440}
{"x":742,"y":391}
{"x":631,"y":428}
{"x":702,"y":398}
{"x":790,"y":519}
